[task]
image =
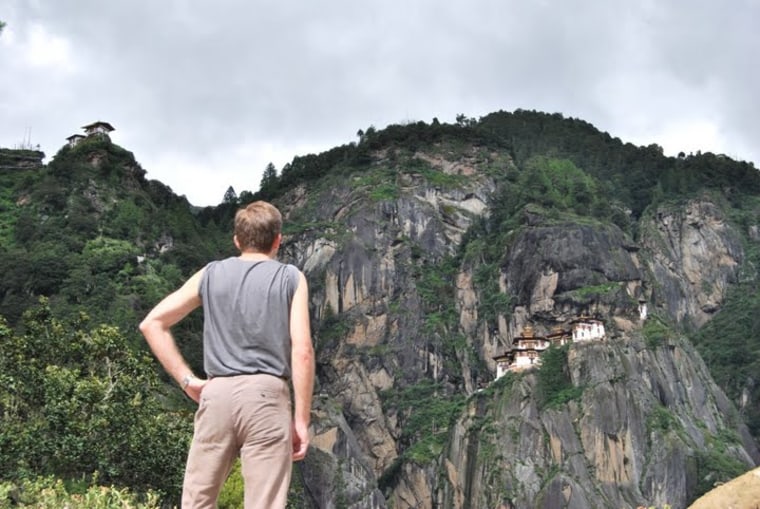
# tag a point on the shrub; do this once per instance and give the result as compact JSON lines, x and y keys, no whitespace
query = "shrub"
{"x":77,"y":402}
{"x":48,"y":492}
{"x":656,"y":333}
{"x":554,"y":386}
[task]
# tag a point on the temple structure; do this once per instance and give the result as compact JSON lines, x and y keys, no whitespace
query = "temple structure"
{"x":587,"y":329}
{"x":526,"y":349}
{"x":74,"y":139}
{"x":98,"y":128}
{"x":559,"y":336}
{"x":525,"y":352}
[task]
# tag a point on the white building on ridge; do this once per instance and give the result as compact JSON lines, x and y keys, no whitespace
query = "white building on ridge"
{"x":98,"y":128}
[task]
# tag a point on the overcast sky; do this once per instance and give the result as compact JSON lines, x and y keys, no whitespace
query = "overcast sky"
{"x":206,"y":93}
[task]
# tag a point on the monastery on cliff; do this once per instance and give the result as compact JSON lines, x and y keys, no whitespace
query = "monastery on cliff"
{"x":526,"y":348}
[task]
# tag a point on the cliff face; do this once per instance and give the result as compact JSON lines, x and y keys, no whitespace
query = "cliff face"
{"x":644,"y":418}
{"x":638,"y":434}
{"x":695,"y":255}
{"x":635,"y":437}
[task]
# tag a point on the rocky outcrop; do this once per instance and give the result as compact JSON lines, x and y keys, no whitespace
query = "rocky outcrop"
{"x":335,"y":471}
{"x":560,"y":272}
{"x":361,"y":262}
{"x":694,"y":256}
{"x":18,"y":159}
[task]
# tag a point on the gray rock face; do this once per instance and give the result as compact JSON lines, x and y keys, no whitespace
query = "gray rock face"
{"x":580,"y":255}
{"x":335,"y":471}
{"x":559,"y":272}
{"x":631,"y":439}
{"x":695,"y":255}
{"x":646,"y":413}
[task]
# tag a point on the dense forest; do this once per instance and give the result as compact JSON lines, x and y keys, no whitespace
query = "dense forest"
{"x":88,"y":245}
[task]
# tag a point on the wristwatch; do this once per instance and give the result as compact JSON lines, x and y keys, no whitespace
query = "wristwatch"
{"x":186,"y":380}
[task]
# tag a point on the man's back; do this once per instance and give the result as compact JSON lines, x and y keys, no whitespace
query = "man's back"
{"x":246,"y":306}
{"x":257,"y":345}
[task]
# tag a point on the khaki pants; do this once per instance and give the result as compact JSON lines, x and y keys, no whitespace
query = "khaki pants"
{"x":247,"y":415}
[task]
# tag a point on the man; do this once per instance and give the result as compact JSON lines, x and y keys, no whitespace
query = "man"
{"x":256,"y":338}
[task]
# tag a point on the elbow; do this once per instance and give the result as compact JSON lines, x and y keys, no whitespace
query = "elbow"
{"x":147,"y":326}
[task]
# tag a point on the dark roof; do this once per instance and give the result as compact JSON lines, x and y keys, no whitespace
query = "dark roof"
{"x":585,"y":319}
{"x":506,"y":355}
{"x":104,"y":125}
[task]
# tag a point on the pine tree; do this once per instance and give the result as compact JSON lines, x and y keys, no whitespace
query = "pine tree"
{"x":269,"y":180}
{"x":230,"y":196}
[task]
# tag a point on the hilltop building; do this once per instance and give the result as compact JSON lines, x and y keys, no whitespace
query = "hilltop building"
{"x":642,"y":310}
{"x":98,"y":128}
{"x":95,"y":129}
{"x":74,"y":139}
{"x":503,"y":362}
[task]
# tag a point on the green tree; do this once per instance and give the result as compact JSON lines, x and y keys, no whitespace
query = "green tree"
{"x":269,"y":181}
{"x":76,"y":401}
{"x":245,"y":197}
{"x":554,"y":386}
{"x":230,"y":196}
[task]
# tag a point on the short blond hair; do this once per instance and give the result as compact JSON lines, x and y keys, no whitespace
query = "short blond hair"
{"x":257,"y":226}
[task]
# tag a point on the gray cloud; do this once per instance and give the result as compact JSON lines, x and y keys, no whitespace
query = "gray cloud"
{"x":205,"y":94}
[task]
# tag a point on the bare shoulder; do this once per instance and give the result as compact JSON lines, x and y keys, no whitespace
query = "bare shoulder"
{"x":194,"y":283}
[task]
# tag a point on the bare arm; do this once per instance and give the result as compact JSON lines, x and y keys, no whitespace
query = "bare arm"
{"x":156,"y":327}
{"x":302,"y":361}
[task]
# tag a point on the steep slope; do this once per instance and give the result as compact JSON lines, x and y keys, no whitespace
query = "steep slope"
{"x":426,"y":263}
{"x":368,"y":243}
{"x":696,"y":256}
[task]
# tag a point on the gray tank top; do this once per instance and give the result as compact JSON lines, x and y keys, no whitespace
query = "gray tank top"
{"x":246,"y":312}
